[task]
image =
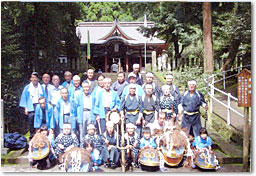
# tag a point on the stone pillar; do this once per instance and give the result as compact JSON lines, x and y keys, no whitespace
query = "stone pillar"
{"x":141,"y":63}
{"x":83,"y":62}
{"x":106,"y":63}
{"x":126,"y":64}
{"x":154,"y":69}
{"x":173,"y":64}
{"x":2,"y":123}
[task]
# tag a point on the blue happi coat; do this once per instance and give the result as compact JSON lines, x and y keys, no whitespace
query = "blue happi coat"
{"x":150,"y":142}
{"x":79,"y":108}
{"x":26,"y":100}
{"x":201,"y":143}
{"x":50,"y":122}
{"x":71,"y":92}
{"x":64,"y":84}
{"x":99,"y":108}
{"x":60,"y":113}
{"x":139,"y":91}
{"x":94,"y":97}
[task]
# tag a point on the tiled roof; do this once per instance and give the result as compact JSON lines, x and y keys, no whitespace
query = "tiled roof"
{"x":101,"y":32}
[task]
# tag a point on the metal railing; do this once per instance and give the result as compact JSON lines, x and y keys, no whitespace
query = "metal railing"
{"x":210,"y":84}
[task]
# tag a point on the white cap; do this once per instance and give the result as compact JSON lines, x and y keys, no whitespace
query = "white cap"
{"x":90,"y":126}
{"x":130,"y":125}
{"x":109,"y":124}
{"x":149,"y":74}
{"x":131,"y":75}
{"x":169,"y":76}
{"x":136,"y":65}
{"x":192,"y":82}
{"x":66,"y":125}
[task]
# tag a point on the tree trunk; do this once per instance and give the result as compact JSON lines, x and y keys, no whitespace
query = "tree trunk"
{"x":207,"y":26}
{"x":233,"y":49}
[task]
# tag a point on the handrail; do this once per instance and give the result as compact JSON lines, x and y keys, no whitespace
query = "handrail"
{"x":213,"y":89}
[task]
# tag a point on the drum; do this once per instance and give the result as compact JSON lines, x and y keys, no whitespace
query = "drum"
{"x":76,"y":160}
{"x":206,"y":160}
{"x":174,"y":145}
{"x":40,"y":147}
{"x":113,"y":116}
{"x":149,"y":159}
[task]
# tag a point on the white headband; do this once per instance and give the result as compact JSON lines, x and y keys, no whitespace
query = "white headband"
{"x":169,"y":76}
{"x":149,"y":74}
{"x":66,"y":126}
{"x":192,"y":82}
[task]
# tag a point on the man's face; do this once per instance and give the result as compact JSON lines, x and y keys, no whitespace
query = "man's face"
{"x":90,"y":74}
{"x":76,"y":83}
{"x":146,"y":135}
{"x":34,"y":79}
{"x":169,"y":81}
{"x":107,"y":85}
{"x":132,"y":90}
{"x":68,"y":77}
{"x":136,"y":69}
{"x":203,"y":136}
{"x":46,"y":78}
{"x":66,"y":131}
{"x":56,"y":81}
{"x":132,"y":80}
{"x":101,"y":82}
{"x":120,"y":78}
{"x":191,"y":87}
{"x":42,"y":103}
{"x":110,"y":129}
{"x":149,"y":90}
{"x":166,"y":91}
{"x":161,"y":119}
{"x":91,"y":131}
{"x":45,"y":132}
{"x":130,"y":131}
{"x":64,"y":94}
{"x":86,"y":88}
{"x":89,"y":148}
{"x":149,"y":79}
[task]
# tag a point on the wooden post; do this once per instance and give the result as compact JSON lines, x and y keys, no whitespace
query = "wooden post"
{"x":154,"y":66}
{"x":106,"y":63}
{"x":2,"y":123}
{"x":141,"y":63}
{"x":246,"y":140}
{"x":122,"y":145}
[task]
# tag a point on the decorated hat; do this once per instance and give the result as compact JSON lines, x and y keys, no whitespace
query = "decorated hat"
{"x":109,"y":124}
{"x":131,"y":75}
{"x":91,"y":126}
{"x":130,"y":125}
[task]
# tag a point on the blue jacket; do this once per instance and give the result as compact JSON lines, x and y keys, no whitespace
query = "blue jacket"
{"x":64,"y":84}
{"x":139,"y":91}
{"x":200,"y":143}
{"x":60,"y":113}
{"x":79,"y":106}
{"x":99,"y":108}
{"x":50,"y":122}
{"x":94,"y":101}
{"x":150,"y":142}
{"x":26,"y":101}
{"x":71,"y":92}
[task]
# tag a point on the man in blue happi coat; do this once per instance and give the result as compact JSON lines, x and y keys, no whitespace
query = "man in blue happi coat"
{"x":90,"y":79}
{"x":190,"y":104}
{"x":73,"y":91}
{"x":83,"y":109}
{"x":65,"y":111}
{"x":107,"y":100}
{"x":29,"y":99}
{"x":132,"y":80}
{"x":69,"y":82}
{"x":44,"y":115}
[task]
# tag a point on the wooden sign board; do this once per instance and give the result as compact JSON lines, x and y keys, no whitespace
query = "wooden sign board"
{"x":244,"y":88}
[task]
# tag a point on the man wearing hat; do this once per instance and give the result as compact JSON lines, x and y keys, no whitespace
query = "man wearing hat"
{"x":131,"y":108}
{"x":138,"y":76}
{"x":111,"y":137}
{"x":29,"y":99}
{"x":132,"y":80}
{"x":190,"y":104}
{"x":98,"y":143}
{"x":173,"y":88}
{"x":149,"y":80}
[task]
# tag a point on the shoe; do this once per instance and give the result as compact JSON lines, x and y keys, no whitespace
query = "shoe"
{"x":106,"y":165}
{"x":193,"y":166}
{"x":134,"y":165}
{"x":163,"y":169}
{"x":112,"y":165}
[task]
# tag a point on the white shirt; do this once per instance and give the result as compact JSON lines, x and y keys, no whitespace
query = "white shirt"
{"x":155,"y":125}
{"x":55,"y":94}
{"x":36,"y":94}
{"x":66,"y":107}
{"x":107,"y":98}
{"x":87,"y":101}
{"x":114,"y":67}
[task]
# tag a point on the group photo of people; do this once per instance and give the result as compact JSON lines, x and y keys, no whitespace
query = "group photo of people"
{"x":89,"y":116}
